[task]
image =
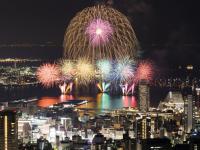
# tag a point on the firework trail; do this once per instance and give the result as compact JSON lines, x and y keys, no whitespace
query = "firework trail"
{"x":63,"y":88}
{"x":128,"y":89}
{"x":66,"y":87}
{"x":100,"y":32}
{"x":48,"y":74}
{"x":103,"y":87}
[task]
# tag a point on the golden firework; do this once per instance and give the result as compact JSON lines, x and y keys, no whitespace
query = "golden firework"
{"x":100,"y":32}
{"x":85,"y":72}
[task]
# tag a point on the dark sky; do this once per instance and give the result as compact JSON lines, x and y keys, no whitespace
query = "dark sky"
{"x":168,"y":30}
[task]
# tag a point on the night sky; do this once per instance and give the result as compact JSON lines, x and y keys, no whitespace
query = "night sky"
{"x":168,"y":30}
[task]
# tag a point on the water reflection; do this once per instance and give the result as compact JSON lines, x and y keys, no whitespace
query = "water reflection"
{"x":103,"y":101}
{"x":129,"y":101}
{"x":48,"y":101}
{"x":100,"y":102}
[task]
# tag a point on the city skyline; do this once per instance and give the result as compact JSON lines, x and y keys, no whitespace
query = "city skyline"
{"x":99,"y":75}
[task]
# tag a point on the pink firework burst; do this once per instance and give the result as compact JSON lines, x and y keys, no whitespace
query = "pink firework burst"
{"x":48,"y":74}
{"x":144,"y":71}
{"x":99,"y":31}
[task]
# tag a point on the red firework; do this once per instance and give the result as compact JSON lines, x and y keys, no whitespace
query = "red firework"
{"x":48,"y":74}
{"x":144,"y":71}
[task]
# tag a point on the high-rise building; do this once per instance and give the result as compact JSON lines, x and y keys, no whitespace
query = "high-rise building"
{"x":197,"y":97}
{"x":43,"y":144}
{"x":8,"y":130}
{"x":144,"y":96}
{"x":142,"y":130}
{"x":196,"y":110}
{"x":143,"y":127}
{"x":66,"y":122}
{"x":189,"y":115}
{"x":98,"y":142}
{"x":156,"y":144}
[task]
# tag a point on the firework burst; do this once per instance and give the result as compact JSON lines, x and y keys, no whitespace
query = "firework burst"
{"x":124,"y":70}
{"x":48,"y":74}
{"x":144,"y":71}
{"x":105,"y":68}
{"x":68,"y":69}
{"x":85,"y":71}
{"x":99,"y":32}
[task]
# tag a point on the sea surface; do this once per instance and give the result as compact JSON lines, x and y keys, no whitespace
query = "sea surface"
{"x":101,"y":101}
{"x":97,"y":101}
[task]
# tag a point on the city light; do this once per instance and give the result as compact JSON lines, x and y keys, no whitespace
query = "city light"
{"x":102,"y":89}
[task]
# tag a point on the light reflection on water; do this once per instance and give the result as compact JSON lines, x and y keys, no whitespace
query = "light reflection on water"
{"x":100,"y":102}
{"x":48,"y":101}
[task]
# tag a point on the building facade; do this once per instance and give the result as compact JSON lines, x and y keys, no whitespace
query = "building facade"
{"x":8,"y":130}
{"x":144,"y":96}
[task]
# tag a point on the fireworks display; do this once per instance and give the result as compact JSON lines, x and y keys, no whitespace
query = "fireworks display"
{"x":99,"y":32}
{"x":103,"y":87}
{"x":128,"y":89}
{"x":105,"y":75}
{"x":105,"y":68}
{"x":67,"y":68}
{"x":124,"y":70}
{"x":144,"y":71}
{"x":98,"y":44}
{"x":48,"y":74}
{"x":63,"y":88}
{"x":66,"y":88}
{"x":85,"y":71}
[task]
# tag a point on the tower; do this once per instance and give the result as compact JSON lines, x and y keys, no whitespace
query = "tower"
{"x":189,"y":113}
{"x":144,"y":96}
{"x":8,"y":130}
{"x":198,"y":97}
{"x":143,"y":127}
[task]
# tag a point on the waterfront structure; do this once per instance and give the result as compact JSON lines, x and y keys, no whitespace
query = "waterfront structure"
{"x":144,"y":96}
{"x":173,"y":101}
{"x":8,"y":130}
